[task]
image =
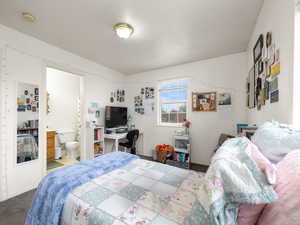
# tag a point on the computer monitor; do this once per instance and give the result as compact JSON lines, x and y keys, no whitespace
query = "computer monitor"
{"x":115,"y":116}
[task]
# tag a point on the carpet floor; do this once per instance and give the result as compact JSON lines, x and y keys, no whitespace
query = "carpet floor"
{"x":13,"y":211}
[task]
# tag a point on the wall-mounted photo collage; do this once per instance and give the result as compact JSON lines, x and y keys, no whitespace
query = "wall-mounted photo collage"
{"x":262,"y":80}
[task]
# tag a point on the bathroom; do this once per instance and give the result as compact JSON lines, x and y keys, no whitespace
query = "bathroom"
{"x":63,"y":118}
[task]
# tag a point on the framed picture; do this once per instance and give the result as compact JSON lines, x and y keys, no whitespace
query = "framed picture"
{"x":29,"y":107}
{"x":204,"y":102}
{"x":36,"y":98}
{"x":269,"y":39}
{"x":224,"y":99}
{"x":258,"y":48}
{"x":33,"y":108}
{"x":260,"y":68}
{"x":252,"y":79}
{"x":36,"y":91}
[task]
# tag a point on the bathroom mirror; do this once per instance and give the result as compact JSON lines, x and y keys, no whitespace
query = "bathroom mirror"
{"x":27,"y":122}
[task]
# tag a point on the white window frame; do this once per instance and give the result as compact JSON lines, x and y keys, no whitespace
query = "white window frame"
{"x":159,"y":122}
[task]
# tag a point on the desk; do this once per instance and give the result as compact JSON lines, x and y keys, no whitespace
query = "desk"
{"x":117,"y":137}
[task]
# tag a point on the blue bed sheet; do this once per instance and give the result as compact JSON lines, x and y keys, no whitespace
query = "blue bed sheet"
{"x":50,"y":196}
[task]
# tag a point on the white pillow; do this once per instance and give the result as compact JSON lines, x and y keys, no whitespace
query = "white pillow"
{"x":276,"y":140}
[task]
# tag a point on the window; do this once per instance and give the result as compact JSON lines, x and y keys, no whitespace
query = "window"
{"x":172,"y":102}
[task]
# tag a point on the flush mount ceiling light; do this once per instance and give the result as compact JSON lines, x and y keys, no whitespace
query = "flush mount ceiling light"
{"x":28,"y":17}
{"x":123,"y":30}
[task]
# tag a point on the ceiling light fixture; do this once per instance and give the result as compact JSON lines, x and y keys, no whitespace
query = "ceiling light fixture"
{"x":123,"y":30}
{"x":28,"y":17}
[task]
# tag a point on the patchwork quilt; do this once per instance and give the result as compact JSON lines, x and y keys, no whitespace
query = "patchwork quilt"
{"x":139,"y":193}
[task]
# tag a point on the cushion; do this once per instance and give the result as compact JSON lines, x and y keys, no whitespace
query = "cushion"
{"x":287,"y":210}
{"x":249,"y":214}
{"x":275,"y":140}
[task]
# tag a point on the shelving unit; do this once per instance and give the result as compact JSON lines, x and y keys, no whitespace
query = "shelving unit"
{"x":182,"y":152}
{"x":96,"y":141}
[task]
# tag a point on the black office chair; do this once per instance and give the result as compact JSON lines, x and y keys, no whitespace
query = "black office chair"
{"x":131,"y":137}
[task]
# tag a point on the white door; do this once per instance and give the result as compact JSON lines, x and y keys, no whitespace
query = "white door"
{"x":22,"y":68}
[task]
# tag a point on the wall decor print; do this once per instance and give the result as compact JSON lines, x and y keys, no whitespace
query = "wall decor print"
{"x":251,"y":93}
{"x":117,"y":96}
{"x":269,"y":39}
{"x":260,"y":67}
{"x":149,"y":92}
{"x":274,"y":85}
{"x":275,"y":96}
{"x":267,"y":90}
{"x":275,"y":69}
{"x":271,"y":54}
{"x":139,"y":104}
{"x":224,"y":99}
{"x":258,"y":48}
{"x":204,"y":102}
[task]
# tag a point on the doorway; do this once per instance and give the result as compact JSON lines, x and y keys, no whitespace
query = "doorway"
{"x":64,"y":118}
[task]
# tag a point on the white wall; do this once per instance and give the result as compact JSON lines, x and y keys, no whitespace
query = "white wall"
{"x":64,"y":94}
{"x":277,"y":16}
{"x":224,"y":74}
{"x":25,"y":59}
{"x":296,"y":80}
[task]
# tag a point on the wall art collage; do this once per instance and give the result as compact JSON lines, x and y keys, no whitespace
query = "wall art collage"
{"x":29,"y":99}
{"x":144,"y":102}
{"x":117,"y":96}
{"x":208,"y":101}
{"x":262,"y":80}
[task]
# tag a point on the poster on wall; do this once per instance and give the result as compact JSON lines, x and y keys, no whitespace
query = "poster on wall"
{"x":224,"y":99}
{"x":144,"y":101}
{"x":117,"y":96}
{"x":204,"y":102}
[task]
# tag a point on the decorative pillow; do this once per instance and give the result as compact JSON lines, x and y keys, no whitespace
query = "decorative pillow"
{"x":275,"y":140}
{"x":249,"y":214}
{"x":287,"y":210}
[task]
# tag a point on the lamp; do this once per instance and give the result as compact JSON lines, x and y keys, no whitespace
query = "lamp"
{"x":123,"y":30}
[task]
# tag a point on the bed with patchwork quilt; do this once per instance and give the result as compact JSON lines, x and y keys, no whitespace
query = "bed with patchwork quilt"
{"x":122,"y":189}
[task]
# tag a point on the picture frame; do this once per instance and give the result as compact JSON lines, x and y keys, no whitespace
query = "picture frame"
{"x":204,"y":101}
{"x":258,"y":49}
{"x":36,"y":91}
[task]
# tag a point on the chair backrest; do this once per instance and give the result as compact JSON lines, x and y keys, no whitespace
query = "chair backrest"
{"x":132,"y":137}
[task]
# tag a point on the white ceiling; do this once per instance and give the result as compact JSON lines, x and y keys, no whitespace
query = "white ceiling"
{"x":167,"y":32}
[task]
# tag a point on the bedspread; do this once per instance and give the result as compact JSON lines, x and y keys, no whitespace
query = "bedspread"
{"x":144,"y":192}
{"x":50,"y":196}
{"x":140,"y":193}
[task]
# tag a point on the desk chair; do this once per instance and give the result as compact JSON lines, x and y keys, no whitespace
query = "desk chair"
{"x":131,"y":137}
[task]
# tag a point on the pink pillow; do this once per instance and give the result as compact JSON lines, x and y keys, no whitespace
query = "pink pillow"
{"x":287,"y":210}
{"x":249,"y":214}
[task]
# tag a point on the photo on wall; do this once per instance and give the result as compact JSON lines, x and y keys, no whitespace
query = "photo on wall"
{"x":224,"y":99}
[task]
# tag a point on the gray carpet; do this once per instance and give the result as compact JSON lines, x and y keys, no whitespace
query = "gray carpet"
{"x":13,"y":211}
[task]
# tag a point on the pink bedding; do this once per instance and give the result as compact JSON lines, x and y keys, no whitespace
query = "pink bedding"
{"x":287,"y":210}
{"x":249,"y":214}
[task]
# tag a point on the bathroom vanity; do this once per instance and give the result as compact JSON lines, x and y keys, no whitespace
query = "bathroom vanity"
{"x":51,"y":146}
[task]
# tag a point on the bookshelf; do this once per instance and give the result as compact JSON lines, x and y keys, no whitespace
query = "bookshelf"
{"x":96,"y":141}
{"x":182,"y":152}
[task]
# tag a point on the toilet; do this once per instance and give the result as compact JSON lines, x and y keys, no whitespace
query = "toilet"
{"x":67,"y":139}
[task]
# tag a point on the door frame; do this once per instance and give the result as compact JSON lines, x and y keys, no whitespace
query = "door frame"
{"x":82,"y":138}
